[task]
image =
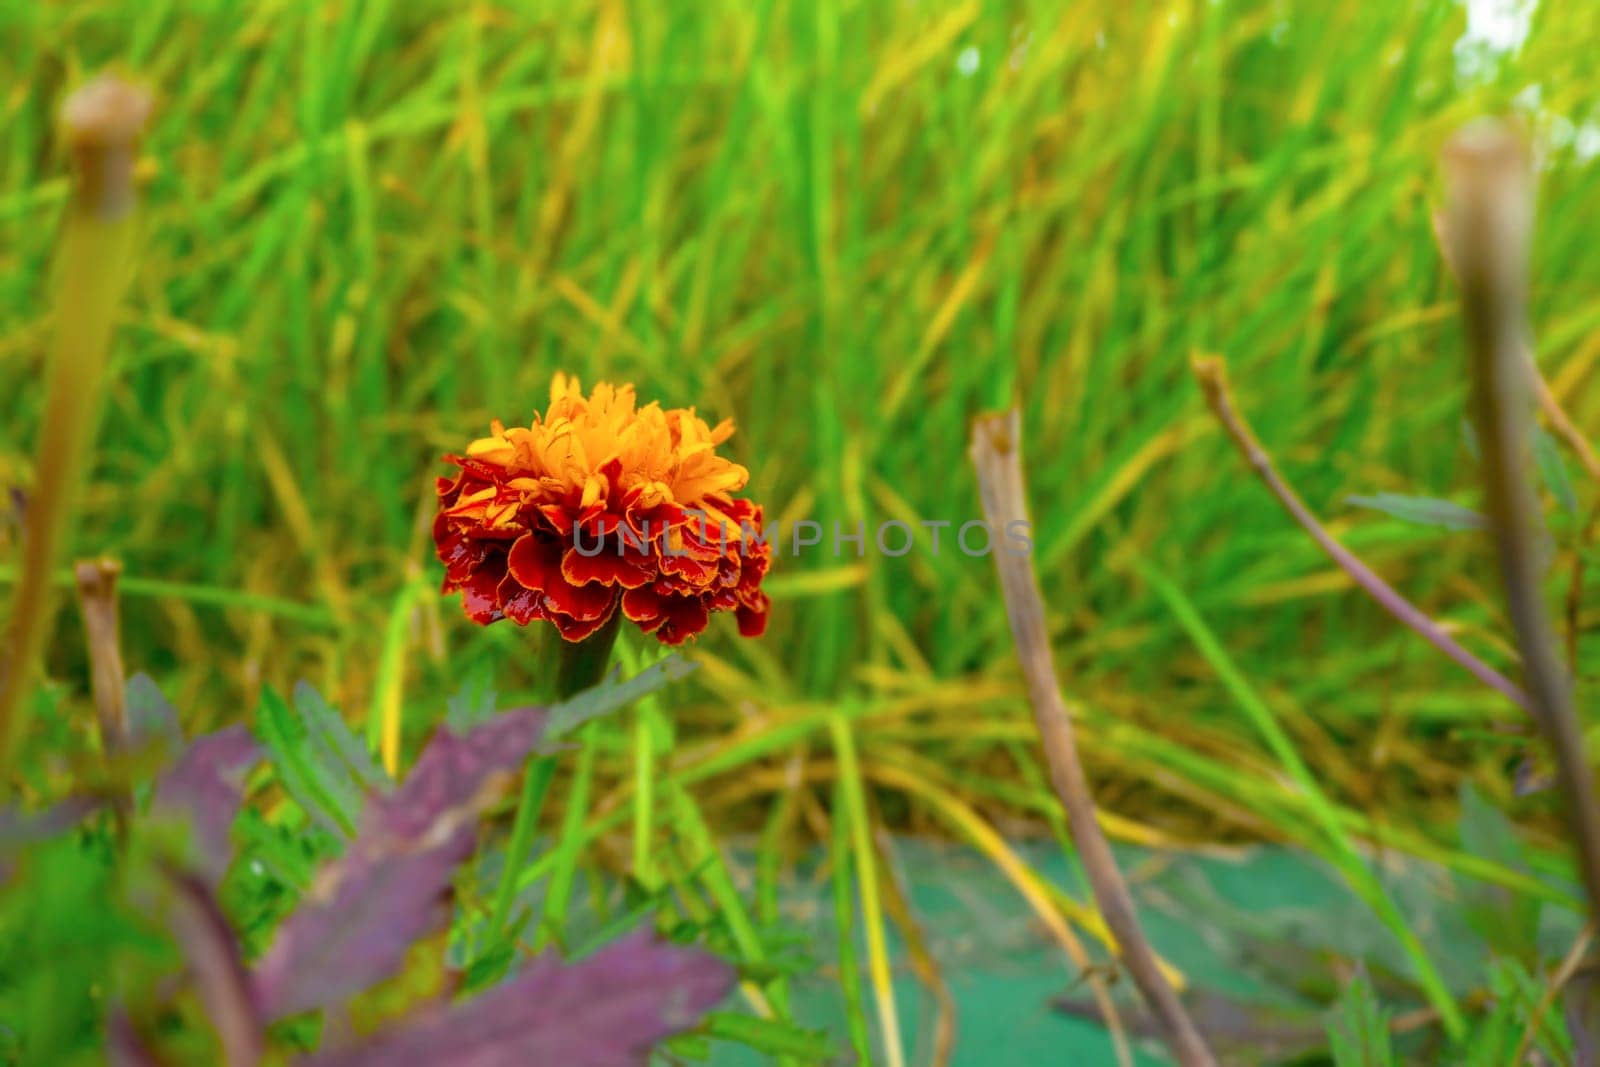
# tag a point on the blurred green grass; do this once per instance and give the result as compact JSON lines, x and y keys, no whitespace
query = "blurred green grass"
{"x":850,"y":226}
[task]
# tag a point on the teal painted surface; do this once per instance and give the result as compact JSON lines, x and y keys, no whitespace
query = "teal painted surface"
{"x":1262,"y":933}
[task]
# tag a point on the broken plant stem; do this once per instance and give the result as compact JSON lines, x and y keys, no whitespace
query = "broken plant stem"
{"x":1212,"y":373}
{"x":1560,"y":422}
{"x":997,"y":455}
{"x":1489,"y":216}
{"x":97,"y":599}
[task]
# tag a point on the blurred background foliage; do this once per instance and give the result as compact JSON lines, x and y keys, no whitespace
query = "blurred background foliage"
{"x":851,"y":226}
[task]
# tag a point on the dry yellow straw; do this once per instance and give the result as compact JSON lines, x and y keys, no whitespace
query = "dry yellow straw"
{"x":101,"y":125}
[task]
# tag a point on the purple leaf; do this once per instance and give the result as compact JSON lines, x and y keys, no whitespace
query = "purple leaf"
{"x":214,"y":964}
{"x":203,"y":786}
{"x":605,"y":1011}
{"x":454,"y":771}
{"x":355,"y":930}
{"x":393,"y":887}
{"x":19,"y":828}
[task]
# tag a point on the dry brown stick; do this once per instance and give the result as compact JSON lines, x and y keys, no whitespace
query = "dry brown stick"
{"x":1489,"y":213}
{"x":997,"y":455}
{"x":1213,"y":376}
{"x":97,"y":599}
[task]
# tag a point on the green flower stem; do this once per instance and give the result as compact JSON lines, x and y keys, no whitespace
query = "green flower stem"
{"x":578,"y":665}
{"x":582,"y":664}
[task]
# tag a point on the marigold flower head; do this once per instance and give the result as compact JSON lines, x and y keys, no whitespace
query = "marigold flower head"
{"x":603,"y":506}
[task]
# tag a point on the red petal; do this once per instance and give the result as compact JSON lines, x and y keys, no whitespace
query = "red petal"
{"x":560,"y":518}
{"x":673,"y":619}
{"x":480,"y":593}
{"x":660,"y":518}
{"x":521,"y":604}
{"x":460,"y":554}
{"x":611,"y":471}
{"x":685,"y":617}
{"x":607,"y":568}
{"x":536,"y":562}
{"x":693,"y":571}
{"x":578,"y":629}
{"x":580,"y":602}
{"x":644,"y":606}
{"x":753,"y":620}
{"x":640,"y":605}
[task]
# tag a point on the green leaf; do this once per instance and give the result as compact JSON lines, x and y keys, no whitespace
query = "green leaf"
{"x":610,"y":695}
{"x":1359,"y":1035}
{"x":336,"y":747}
{"x":62,"y":918}
{"x":1469,"y":437}
{"x":771,"y":1036}
{"x":1522,"y":997}
{"x":1422,"y":511}
{"x":1508,"y":922}
{"x":319,"y":761}
{"x":1553,"y":470}
{"x":1517,"y":1017}
{"x":287,"y":853}
{"x":691,"y":1046}
{"x":474,"y":702}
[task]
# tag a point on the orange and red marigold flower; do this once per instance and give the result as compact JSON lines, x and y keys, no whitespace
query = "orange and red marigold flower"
{"x":603,"y":506}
